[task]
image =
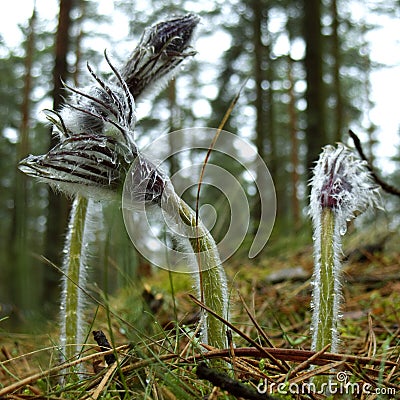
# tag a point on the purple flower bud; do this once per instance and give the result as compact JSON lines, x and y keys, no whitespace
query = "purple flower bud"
{"x":340,"y":187}
{"x":161,"y":49}
{"x":335,"y":184}
{"x":146,"y":184}
{"x":342,"y":183}
{"x":91,"y":165}
{"x":97,"y":108}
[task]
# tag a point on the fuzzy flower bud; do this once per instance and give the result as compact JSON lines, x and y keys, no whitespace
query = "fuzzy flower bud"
{"x":341,"y":182}
{"x":90,"y":165}
{"x":160,"y":51}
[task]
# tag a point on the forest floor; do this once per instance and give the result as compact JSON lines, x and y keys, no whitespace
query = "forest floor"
{"x":270,"y":308}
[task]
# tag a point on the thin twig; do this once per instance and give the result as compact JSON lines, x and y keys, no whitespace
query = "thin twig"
{"x":305,"y":364}
{"x":317,"y":371}
{"x":209,"y":150}
{"x":262,"y":333}
{"x":107,"y":376}
{"x":385,"y":186}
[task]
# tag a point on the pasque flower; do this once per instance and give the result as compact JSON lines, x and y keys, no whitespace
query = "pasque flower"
{"x":341,"y":187}
{"x":96,"y":126}
{"x":95,"y":153}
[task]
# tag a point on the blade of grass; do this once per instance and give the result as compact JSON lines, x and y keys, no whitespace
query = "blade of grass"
{"x":239,"y":332}
{"x":261,"y":332}
{"x":212,"y":280}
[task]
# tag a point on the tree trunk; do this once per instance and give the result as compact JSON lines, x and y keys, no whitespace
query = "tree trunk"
{"x":313,"y":62}
{"x":294,"y":148}
{"x":26,"y":289}
{"x":265,"y":140}
{"x":58,"y":204}
{"x":259,"y":77}
{"x":78,"y":43}
{"x":369,"y":104}
{"x":62,"y":46}
{"x":339,"y":117}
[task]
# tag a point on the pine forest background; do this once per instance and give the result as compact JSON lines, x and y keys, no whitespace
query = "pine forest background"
{"x":308,"y":67}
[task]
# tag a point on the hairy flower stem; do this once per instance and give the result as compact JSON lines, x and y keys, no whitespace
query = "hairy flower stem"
{"x":341,"y":187}
{"x":326,"y":293}
{"x":327,"y":326}
{"x":211,"y":281}
{"x":147,"y":186}
{"x":74,"y":267}
{"x":215,"y":297}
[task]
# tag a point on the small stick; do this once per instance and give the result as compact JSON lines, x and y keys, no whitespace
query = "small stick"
{"x":97,"y":392}
{"x":104,"y":344}
{"x":262,"y":333}
{"x":303,"y":365}
{"x":294,"y":355}
{"x":385,"y":186}
{"x":225,"y":382}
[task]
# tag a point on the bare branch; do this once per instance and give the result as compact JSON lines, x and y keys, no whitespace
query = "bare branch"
{"x":385,"y":186}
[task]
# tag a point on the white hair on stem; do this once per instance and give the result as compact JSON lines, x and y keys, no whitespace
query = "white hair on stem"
{"x":84,"y":220}
{"x":341,"y":186}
